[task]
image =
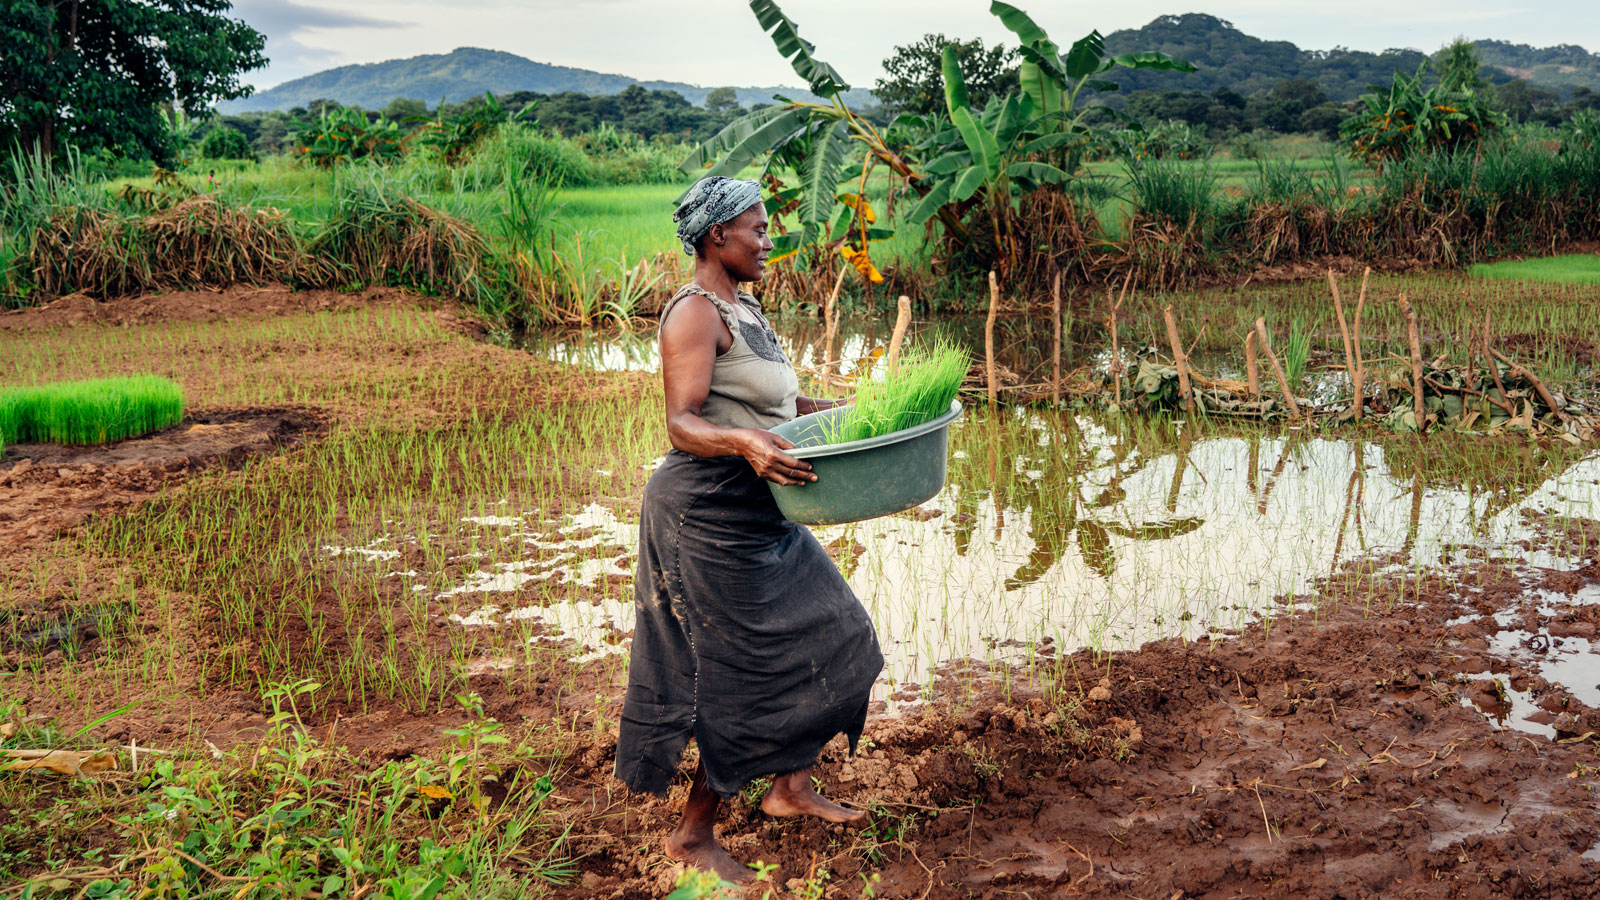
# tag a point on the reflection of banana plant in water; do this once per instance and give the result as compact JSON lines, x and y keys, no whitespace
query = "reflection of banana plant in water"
{"x":1060,"y":514}
{"x":1056,"y":522}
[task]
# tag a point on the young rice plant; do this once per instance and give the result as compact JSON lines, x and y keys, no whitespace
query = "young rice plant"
{"x":920,"y":388}
{"x":88,"y":412}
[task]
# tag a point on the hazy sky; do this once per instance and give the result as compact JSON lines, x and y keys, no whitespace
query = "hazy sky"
{"x":715,"y":42}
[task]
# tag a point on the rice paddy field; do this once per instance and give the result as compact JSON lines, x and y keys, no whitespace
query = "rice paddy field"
{"x":325,"y":588}
{"x":353,"y":619}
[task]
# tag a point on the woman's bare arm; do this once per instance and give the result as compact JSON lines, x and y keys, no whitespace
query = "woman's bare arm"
{"x":691,"y":338}
{"x":806,"y":405}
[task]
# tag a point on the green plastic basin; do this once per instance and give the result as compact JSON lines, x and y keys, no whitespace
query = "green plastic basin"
{"x":867,"y":478}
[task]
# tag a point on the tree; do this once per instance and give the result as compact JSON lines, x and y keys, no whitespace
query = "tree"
{"x":225,"y":143}
{"x":1521,"y":100}
{"x":402,"y":108}
{"x":721,"y":99}
{"x":915,"y":85}
{"x":92,"y":73}
{"x":1460,"y":69}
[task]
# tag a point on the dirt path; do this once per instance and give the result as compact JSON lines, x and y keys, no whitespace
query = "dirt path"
{"x":240,"y":302}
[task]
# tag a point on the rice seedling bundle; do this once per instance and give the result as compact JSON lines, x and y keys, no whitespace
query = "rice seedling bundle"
{"x":88,"y":412}
{"x":920,"y":388}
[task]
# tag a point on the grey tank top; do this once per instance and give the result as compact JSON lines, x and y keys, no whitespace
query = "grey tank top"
{"x":752,"y":384}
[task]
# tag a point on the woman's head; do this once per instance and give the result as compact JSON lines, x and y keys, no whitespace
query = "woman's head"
{"x":723,"y":220}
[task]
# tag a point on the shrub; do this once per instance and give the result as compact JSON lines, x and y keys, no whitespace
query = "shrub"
{"x":1409,"y":120}
{"x":225,"y":143}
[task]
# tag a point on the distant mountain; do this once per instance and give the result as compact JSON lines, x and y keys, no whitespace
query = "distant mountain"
{"x":1562,"y":67}
{"x":1227,"y":57}
{"x":468,"y":72}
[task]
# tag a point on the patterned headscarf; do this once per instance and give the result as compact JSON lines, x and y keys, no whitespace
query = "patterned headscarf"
{"x":712,"y":201}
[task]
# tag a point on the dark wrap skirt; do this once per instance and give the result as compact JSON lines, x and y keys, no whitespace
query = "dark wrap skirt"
{"x":746,"y":637}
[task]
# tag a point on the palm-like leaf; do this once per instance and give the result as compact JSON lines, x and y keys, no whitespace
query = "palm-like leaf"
{"x":955,"y":84}
{"x":822,"y":78}
{"x":746,"y":138}
{"x":1086,"y":56}
{"x":821,"y":178}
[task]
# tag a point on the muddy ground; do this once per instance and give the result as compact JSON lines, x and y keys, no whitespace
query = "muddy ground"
{"x":241,"y":302}
{"x":1363,"y":752}
{"x":1372,"y":740}
{"x":48,"y":490}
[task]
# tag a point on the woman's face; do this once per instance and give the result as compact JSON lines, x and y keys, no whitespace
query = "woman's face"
{"x":741,"y":244}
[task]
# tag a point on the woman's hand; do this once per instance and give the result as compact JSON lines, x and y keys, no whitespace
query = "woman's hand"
{"x":764,"y":451}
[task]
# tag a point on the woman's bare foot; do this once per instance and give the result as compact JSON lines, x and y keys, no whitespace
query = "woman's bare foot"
{"x":704,"y":853}
{"x":793,"y":795}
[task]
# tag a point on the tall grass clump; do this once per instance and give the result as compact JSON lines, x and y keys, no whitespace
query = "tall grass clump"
{"x":89,"y":412}
{"x":1296,"y":352}
{"x":33,"y":188}
{"x":378,"y":234}
{"x":920,"y":388}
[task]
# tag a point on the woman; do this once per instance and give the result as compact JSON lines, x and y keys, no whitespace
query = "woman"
{"x":746,"y":637}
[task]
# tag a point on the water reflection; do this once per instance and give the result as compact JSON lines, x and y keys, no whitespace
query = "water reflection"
{"x":1104,"y":532}
{"x":1063,"y":529}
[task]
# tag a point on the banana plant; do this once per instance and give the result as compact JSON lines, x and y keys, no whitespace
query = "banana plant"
{"x":988,"y":155}
{"x":816,"y":137}
{"x":1053,"y":80}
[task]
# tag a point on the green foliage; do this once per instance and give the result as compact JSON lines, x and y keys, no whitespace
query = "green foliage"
{"x":1410,"y":119}
{"x":92,"y":74}
{"x":1054,"y":80}
{"x":1460,"y":69}
{"x":457,"y":136}
{"x":343,"y":135}
{"x":1571,"y":268}
{"x":921,"y":387}
{"x":89,"y":412}
{"x":813,"y":140}
{"x":1171,"y":139}
{"x":225,"y":143}
{"x":33,"y":188}
{"x":293,"y":817}
{"x":1295,"y":353}
{"x":914,"y":74}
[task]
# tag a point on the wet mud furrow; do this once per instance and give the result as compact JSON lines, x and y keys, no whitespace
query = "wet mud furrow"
{"x":1336,"y":754}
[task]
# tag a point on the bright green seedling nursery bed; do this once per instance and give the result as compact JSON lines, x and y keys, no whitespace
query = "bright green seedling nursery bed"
{"x":88,"y":412}
{"x":882,"y":455}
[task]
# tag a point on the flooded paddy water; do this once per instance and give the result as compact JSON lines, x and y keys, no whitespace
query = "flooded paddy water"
{"x":1066,"y":530}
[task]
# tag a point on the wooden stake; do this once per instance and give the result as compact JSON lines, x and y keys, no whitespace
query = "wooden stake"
{"x":1277,"y":368}
{"x":902,"y":321}
{"x":1344,"y":331}
{"x":988,"y":339}
{"x":1179,"y":357}
{"x":830,"y":328}
{"x":1252,"y":370}
{"x":1055,"y":343}
{"x":1116,"y":349}
{"x":1359,"y":379}
{"x":1414,"y":338}
{"x":1544,"y":394}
